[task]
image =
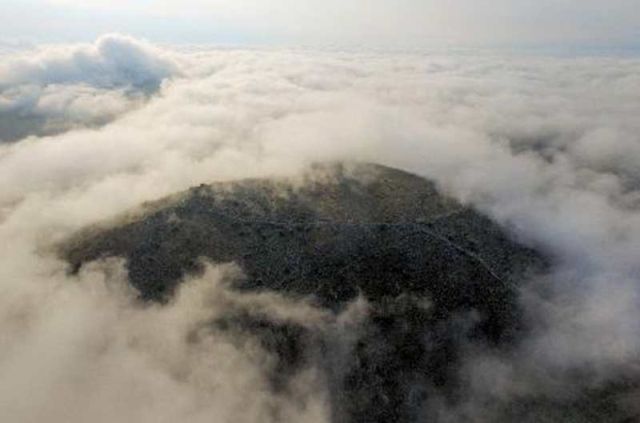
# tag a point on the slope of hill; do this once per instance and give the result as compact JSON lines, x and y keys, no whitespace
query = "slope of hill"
{"x":437,"y":275}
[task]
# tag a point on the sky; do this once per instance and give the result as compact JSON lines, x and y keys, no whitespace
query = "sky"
{"x":517,"y":24}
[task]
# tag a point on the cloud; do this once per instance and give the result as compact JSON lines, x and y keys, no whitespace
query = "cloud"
{"x":146,"y":367}
{"x":114,"y":61}
{"x":547,"y":146}
{"x":53,"y":89}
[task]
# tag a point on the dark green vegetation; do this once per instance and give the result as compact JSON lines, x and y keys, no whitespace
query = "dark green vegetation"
{"x":438,"y":276}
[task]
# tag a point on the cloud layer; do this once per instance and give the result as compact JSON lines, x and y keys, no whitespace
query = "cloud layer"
{"x":548,"y":147}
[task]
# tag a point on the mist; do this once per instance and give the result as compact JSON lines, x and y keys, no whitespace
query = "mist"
{"x":548,"y":147}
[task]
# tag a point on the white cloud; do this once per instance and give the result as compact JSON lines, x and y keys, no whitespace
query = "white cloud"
{"x":547,"y":146}
{"x":55,"y":88}
{"x":113,"y":61}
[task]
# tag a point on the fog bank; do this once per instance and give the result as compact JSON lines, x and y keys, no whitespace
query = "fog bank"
{"x":548,"y":147}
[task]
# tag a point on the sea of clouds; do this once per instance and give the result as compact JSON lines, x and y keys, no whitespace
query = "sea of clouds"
{"x":549,"y":147}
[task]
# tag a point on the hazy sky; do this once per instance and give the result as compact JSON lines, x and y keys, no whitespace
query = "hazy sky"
{"x":611,"y":24}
